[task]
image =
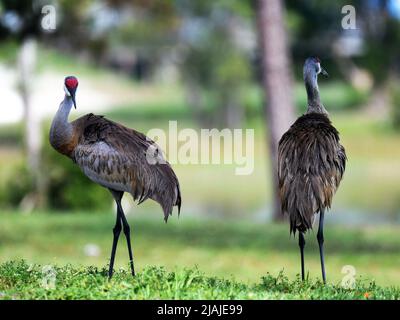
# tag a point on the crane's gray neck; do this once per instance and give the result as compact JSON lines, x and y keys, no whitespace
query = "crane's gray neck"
{"x":314,"y":101}
{"x":61,"y":130}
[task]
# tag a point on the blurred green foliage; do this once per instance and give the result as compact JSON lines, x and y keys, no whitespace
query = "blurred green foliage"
{"x":16,"y":185}
{"x":8,"y":52}
{"x":213,"y":45}
{"x":11,"y":135}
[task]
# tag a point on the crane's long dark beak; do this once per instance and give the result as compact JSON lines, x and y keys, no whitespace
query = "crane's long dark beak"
{"x":72,"y":94}
{"x":73,"y":99}
{"x":323,"y":71}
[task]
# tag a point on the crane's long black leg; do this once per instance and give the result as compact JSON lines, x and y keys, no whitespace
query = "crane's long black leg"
{"x":320,"y":237}
{"x":127,"y":232}
{"x":302,"y":243}
{"x":116,"y":232}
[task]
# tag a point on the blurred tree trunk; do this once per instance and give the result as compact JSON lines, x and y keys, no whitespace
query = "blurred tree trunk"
{"x":277,"y":82}
{"x":26,"y":68}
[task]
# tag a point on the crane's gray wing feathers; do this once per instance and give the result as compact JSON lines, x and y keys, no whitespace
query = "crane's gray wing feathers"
{"x":311,"y":163}
{"x":117,"y":158}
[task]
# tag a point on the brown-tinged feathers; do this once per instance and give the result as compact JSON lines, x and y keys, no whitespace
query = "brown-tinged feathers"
{"x":311,"y":163}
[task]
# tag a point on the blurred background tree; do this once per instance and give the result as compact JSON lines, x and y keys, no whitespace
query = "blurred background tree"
{"x":20,"y":22}
{"x":278,"y":83}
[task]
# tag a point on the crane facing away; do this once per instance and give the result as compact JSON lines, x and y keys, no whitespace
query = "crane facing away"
{"x":117,"y":158}
{"x":311,"y":164}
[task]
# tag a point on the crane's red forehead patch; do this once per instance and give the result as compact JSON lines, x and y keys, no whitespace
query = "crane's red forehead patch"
{"x":71,"y":82}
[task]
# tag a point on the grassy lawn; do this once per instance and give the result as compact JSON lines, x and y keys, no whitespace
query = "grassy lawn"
{"x":18,"y":280}
{"x":232,"y":250}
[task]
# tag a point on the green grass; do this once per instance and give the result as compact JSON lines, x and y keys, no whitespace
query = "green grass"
{"x":20,"y":280}
{"x":223,"y":248}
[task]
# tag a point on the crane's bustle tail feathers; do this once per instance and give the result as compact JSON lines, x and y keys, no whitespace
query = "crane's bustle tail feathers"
{"x":311,"y":163}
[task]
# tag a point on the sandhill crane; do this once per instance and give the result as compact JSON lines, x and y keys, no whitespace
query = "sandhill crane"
{"x":311,"y":163}
{"x":117,"y":158}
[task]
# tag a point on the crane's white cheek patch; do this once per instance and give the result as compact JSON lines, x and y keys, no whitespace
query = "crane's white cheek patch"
{"x":66,"y":91}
